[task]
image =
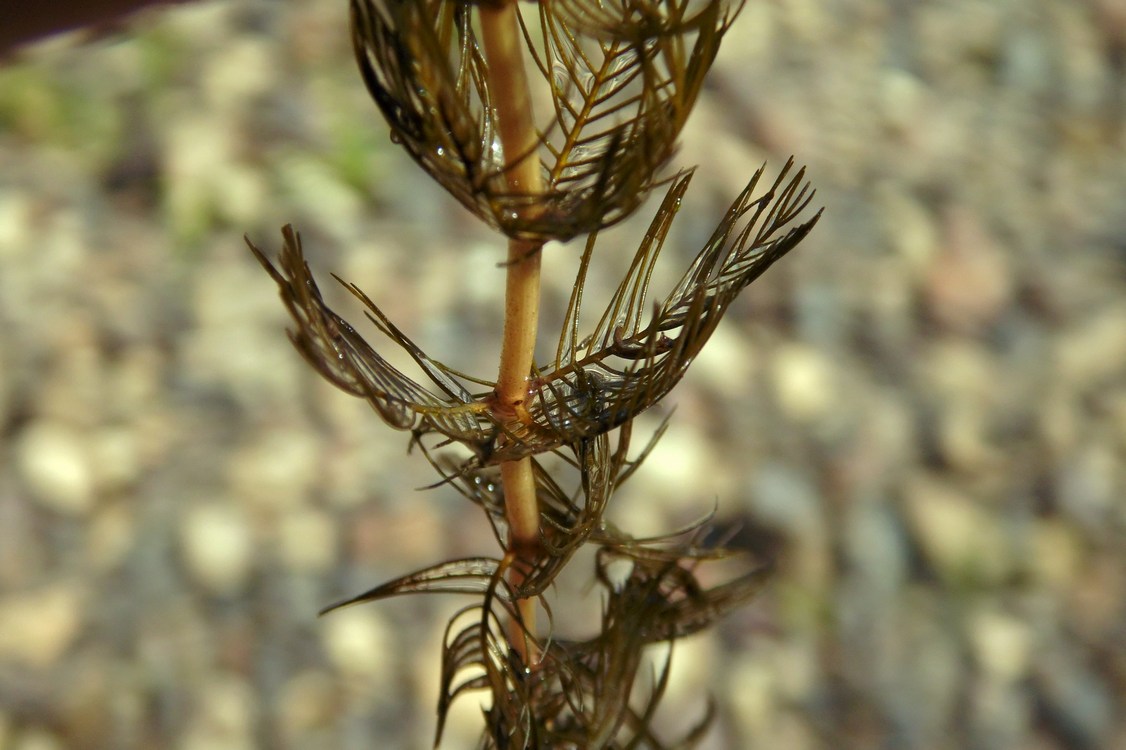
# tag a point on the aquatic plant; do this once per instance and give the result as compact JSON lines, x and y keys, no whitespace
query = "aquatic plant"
{"x":550,"y":121}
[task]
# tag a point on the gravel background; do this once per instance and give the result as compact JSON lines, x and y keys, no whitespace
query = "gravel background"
{"x":921,"y":413}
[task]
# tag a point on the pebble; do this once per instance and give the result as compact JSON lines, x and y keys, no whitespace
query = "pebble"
{"x":217,"y":545}
{"x":111,"y":536}
{"x":1056,"y":555}
{"x":909,"y":228}
{"x":1093,"y":354}
{"x":969,"y":282}
{"x":955,"y":533}
{"x":1001,"y":644}
{"x":680,"y":475}
{"x":226,"y":716}
{"x":752,"y":686}
{"x":55,"y":464}
{"x":116,"y":458}
{"x":308,"y":540}
{"x":37,"y":627}
{"x":275,"y":471}
{"x":307,"y":702}
{"x":803,"y":382}
{"x":37,"y":739}
{"x":359,"y":642}
{"x":963,"y":439}
{"x":1089,"y":483}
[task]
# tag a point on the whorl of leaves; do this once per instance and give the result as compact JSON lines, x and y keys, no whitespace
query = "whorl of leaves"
{"x":622,"y":76}
{"x":579,"y":694}
{"x":598,"y":382}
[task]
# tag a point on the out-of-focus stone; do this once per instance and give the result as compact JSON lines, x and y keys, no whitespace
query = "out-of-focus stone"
{"x":1093,"y":352}
{"x":909,"y":228}
{"x":115,"y":458}
{"x":226,"y":716}
{"x":962,"y":438}
{"x":233,"y":347}
{"x":37,"y":627}
{"x":37,"y":739}
{"x":957,"y":536}
{"x":728,"y":364}
{"x":308,"y":540}
{"x":198,"y":150}
{"x":803,"y":381}
{"x":359,"y":643}
{"x":111,"y":536}
{"x":321,"y":192}
{"x":16,"y":210}
{"x":218,"y":546}
{"x":308,"y":700}
{"x":1056,"y":554}
{"x":275,"y":470}
{"x":752,"y":687}
{"x":54,"y":461}
{"x":1059,"y":422}
{"x":901,"y":96}
{"x":238,"y":72}
{"x":680,"y":470}
{"x":797,"y":671}
{"x":969,"y":282}
{"x":1090,"y":484}
{"x":956,"y":371}
{"x":1001,"y":644}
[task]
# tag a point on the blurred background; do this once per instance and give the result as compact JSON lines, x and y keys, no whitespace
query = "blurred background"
{"x":920,"y":413}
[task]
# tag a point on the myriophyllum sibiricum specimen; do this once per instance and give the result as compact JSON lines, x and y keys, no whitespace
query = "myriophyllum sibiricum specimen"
{"x":551,"y":121}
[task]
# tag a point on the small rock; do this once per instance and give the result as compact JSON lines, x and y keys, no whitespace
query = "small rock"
{"x":803,"y":381}
{"x":1092,"y":353}
{"x":957,"y":536}
{"x":111,"y":536}
{"x":1057,"y":553}
{"x":1089,"y":486}
{"x":962,"y":438}
{"x":54,"y":462}
{"x":37,"y":739}
{"x":1001,"y":644}
{"x":226,"y":718}
{"x":753,"y":691}
{"x":116,"y":458}
{"x":955,"y":370}
{"x":37,"y":627}
{"x":308,"y":701}
{"x":276,"y":470}
{"x":359,"y":642}
{"x":308,"y":540}
{"x":218,"y":547}
{"x":364,"y":650}
{"x":909,"y":228}
{"x":969,"y":282}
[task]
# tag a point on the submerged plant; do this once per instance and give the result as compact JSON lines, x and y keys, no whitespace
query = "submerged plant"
{"x":616,"y":80}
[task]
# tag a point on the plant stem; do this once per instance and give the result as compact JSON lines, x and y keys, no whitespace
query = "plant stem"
{"x":511,"y":95}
